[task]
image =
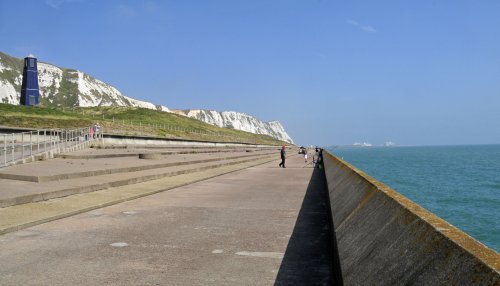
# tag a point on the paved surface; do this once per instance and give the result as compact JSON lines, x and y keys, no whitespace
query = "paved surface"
{"x":114,"y":151}
{"x":21,"y":216}
{"x":60,"y":166}
{"x":61,"y":177}
{"x":258,"y":226}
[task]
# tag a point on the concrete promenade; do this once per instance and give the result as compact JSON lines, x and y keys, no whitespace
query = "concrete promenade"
{"x":257,"y":225}
{"x":90,"y":170}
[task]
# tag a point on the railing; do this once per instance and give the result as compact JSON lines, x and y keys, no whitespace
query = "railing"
{"x":129,"y":127}
{"x":19,"y":146}
{"x":138,"y":126}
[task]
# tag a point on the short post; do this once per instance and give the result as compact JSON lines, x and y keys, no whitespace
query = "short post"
{"x":13,"y":147}
{"x":31,"y":143}
{"x":22,"y":145}
{"x":45,"y":140}
{"x":5,"y":150}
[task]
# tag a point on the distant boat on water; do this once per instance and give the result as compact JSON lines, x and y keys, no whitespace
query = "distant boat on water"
{"x":364,"y":144}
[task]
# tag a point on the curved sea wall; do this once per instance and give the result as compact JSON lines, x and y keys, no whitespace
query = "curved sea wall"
{"x":383,"y":238}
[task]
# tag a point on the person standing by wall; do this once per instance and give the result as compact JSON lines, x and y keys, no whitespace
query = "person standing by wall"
{"x":316,"y":158}
{"x":320,"y":159}
{"x":283,"y":154}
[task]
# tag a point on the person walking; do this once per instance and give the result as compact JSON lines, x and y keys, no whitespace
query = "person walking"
{"x":282,"y":153}
{"x":97,"y":131}
{"x":305,"y":154}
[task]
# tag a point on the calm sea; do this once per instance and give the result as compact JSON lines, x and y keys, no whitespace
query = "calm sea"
{"x":460,"y":184}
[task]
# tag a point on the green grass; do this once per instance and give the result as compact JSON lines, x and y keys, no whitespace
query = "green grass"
{"x":126,"y":121}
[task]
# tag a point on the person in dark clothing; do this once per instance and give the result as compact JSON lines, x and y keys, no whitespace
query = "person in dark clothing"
{"x":283,"y":153}
{"x":320,"y":159}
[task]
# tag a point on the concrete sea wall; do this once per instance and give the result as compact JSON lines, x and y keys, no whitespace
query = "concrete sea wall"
{"x":383,"y":238}
{"x":133,"y":140}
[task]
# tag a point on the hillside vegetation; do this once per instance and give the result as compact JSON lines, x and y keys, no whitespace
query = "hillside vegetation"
{"x":130,"y":121}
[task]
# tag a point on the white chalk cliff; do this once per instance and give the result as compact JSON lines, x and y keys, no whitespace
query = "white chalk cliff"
{"x":240,"y":121}
{"x":70,"y":87}
{"x":63,"y":87}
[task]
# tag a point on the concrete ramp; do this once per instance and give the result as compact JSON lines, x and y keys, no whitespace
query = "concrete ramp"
{"x":384,"y":238}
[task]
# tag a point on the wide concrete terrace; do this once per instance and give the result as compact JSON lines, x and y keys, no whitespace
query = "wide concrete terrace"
{"x":232,"y":218}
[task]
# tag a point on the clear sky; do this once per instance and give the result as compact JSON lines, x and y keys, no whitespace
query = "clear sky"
{"x":332,"y":72}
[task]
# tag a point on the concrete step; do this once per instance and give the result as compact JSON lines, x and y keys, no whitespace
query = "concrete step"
{"x":18,"y":217}
{"x":136,"y":152}
{"x":176,"y":147}
{"x":22,"y":192}
{"x":47,"y":171}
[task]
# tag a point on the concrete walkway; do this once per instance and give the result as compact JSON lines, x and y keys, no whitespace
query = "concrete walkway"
{"x":262,"y":225}
{"x":61,"y":177}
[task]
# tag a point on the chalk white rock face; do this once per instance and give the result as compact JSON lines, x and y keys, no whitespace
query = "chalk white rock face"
{"x":8,"y":93}
{"x":49,"y":79}
{"x":163,"y":108}
{"x":88,"y":90}
{"x":93,"y":92}
{"x":239,"y":121}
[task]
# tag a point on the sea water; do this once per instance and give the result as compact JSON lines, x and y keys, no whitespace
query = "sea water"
{"x":460,"y":184}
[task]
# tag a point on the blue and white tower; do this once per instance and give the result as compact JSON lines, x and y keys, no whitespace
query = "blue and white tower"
{"x":29,"y":90}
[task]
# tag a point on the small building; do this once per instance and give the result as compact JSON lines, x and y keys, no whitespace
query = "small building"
{"x":30,"y":94}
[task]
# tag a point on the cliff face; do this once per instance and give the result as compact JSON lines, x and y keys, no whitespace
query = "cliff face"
{"x":63,"y":87}
{"x":240,"y":121}
{"x":70,"y":87}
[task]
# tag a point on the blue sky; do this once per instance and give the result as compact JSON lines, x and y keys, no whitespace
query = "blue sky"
{"x":333,"y":72}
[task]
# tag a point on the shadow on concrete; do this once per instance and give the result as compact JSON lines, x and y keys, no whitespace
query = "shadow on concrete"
{"x":311,"y":255}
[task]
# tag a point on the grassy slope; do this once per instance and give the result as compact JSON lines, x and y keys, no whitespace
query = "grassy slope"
{"x":126,"y":121}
